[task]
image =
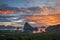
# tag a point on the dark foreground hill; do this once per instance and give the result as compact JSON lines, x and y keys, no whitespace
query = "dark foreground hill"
{"x":17,"y":35}
{"x":52,"y":33}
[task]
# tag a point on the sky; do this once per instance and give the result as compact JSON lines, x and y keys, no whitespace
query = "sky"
{"x":17,"y":12}
{"x":29,"y":3}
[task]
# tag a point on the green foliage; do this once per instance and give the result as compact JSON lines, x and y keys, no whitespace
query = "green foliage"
{"x":17,"y":35}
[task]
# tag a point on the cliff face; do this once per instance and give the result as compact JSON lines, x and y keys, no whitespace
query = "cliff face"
{"x":28,"y":28}
{"x":53,"y":28}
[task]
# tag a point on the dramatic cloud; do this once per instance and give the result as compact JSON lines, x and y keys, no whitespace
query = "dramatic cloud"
{"x":45,"y":20}
{"x":36,"y":12}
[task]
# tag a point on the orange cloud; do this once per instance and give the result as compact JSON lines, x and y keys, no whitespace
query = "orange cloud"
{"x":44,"y":19}
{"x":6,"y":12}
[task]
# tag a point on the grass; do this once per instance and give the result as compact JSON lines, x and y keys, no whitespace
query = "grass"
{"x":17,"y":35}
